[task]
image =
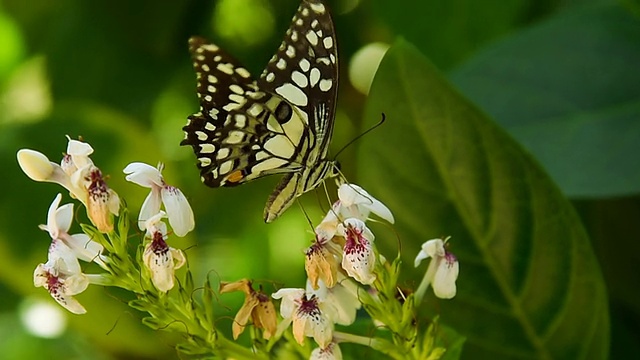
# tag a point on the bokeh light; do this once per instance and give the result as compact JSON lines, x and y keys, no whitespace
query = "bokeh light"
{"x":43,"y":318}
{"x":363,"y":65}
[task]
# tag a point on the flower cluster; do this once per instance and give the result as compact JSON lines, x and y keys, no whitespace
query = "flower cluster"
{"x":340,"y":261}
{"x":77,"y":173}
{"x":345,"y":271}
{"x":62,"y":275}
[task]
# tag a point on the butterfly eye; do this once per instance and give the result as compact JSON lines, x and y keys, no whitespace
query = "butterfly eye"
{"x":283,"y":112}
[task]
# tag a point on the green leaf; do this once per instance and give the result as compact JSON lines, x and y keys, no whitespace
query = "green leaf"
{"x":529,"y":284}
{"x":449,"y":31}
{"x":567,"y":89}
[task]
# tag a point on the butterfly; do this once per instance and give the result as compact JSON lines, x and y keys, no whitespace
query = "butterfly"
{"x":280,"y":123}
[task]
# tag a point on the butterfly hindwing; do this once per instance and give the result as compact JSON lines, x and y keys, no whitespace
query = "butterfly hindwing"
{"x":231,"y":133}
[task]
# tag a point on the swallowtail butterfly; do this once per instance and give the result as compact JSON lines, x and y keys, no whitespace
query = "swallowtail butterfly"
{"x":280,"y":123}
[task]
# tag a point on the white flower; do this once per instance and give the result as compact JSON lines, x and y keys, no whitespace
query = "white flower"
{"x":78,"y":175}
{"x":330,"y":352}
{"x":62,"y":277}
{"x":443,"y":268}
{"x":58,"y":224}
{"x":39,"y":168}
{"x":309,"y":315}
{"x":356,"y":202}
{"x":342,"y":298}
{"x":175,"y":203}
{"x":358,"y":258}
{"x":158,"y":257}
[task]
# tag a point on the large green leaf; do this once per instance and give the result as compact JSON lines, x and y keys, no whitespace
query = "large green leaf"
{"x":567,"y":89}
{"x":529,"y":284}
{"x":449,"y":31}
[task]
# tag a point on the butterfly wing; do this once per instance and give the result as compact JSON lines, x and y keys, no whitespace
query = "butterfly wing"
{"x":236,"y":135}
{"x":304,"y":72}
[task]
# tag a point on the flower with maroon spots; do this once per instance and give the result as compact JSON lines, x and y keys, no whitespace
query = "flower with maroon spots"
{"x":443,"y":268}
{"x":358,"y":258}
{"x":158,"y":257}
{"x":308,"y":313}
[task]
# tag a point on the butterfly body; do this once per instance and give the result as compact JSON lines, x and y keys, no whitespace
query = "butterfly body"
{"x":280,"y":123}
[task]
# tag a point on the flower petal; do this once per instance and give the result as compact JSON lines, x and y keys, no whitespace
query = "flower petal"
{"x":288,"y":304}
{"x":63,"y":216}
{"x":143,"y":174}
{"x":178,"y":210}
{"x":150,"y":207}
{"x":444,"y":281}
{"x":331,"y":352}
{"x":79,"y":152}
{"x":35,"y":164}
{"x":242,"y":316}
{"x":421,"y":256}
{"x":83,"y":247}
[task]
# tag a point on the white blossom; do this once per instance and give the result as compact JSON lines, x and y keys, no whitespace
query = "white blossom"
{"x":356,"y":202}
{"x":443,"y":268}
{"x":158,"y":257}
{"x":175,"y":203}
{"x":80,"y":176}
{"x":308,"y":313}
{"x":62,"y":277}
{"x":358,"y":258}
{"x":342,"y":298}
{"x":58,"y":224}
{"x":330,"y":352}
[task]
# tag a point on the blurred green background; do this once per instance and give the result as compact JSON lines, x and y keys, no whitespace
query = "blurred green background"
{"x":561,"y":76}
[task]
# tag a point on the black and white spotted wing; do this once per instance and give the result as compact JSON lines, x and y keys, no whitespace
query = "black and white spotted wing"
{"x":304,"y":71}
{"x":281,"y":123}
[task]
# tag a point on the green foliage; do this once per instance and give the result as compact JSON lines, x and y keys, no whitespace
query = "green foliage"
{"x":528,"y":274}
{"x":566,"y":90}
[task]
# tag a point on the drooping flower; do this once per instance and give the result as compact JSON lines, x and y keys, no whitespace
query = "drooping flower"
{"x":102,"y":202}
{"x":358,"y":258}
{"x":309,"y":315}
{"x":330,"y":352}
{"x":175,"y":203}
{"x":58,"y":223}
{"x":158,"y":257}
{"x":357,"y":203}
{"x":257,"y":306}
{"x":443,"y":268}
{"x":322,"y":262}
{"x":62,"y":277}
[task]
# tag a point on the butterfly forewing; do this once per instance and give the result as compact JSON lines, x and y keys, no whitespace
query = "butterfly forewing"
{"x":304,"y":71}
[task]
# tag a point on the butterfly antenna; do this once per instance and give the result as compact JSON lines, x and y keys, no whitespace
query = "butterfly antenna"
{"x":382,"y":120}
